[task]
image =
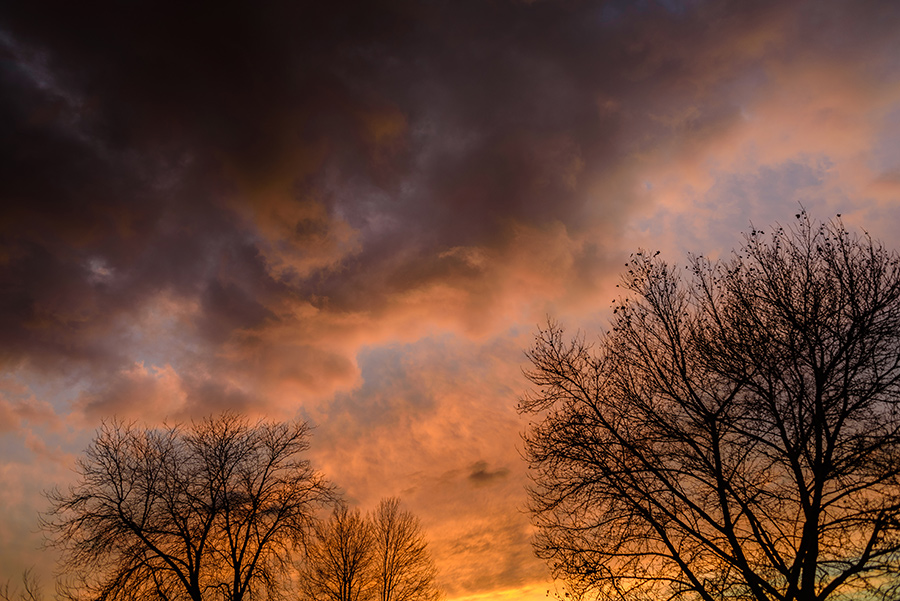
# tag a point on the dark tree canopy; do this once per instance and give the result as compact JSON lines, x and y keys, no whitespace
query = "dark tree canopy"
{"x":211,"y":510}
{"x":737,"y":432}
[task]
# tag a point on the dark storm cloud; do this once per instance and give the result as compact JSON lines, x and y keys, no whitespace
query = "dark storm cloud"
{"x":257,"y":167}
{"x":451,"y":118}
{"x":136,"y":132}
{"x":123,"y":125}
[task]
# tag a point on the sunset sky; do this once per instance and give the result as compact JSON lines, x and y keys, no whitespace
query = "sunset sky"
{"x":359,"y":214}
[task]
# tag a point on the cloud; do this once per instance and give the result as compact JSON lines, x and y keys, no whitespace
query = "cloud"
{"x":149,"y":394}
{"x":480,"y":474}
{"x":17,"y":415}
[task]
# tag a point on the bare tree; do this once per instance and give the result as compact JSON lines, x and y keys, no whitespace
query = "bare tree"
{"x":382,"y":556}
{"x":404,"y":570}
{"x":339,"y":559}
{"x":735,"y":435}
{"x":31,"y":589}
{"x":215,"y":509}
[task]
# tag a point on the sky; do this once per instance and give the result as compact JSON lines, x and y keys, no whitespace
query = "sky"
{"x":358,"y":214}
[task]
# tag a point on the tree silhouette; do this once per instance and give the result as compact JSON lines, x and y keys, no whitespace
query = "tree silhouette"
{"x":382,"y":556}
{"x":404,"y":570}
{"x":31,"y":589}
{"x":735,"y":435}
{"x":214,"y":508}
{"x":339,"y":559}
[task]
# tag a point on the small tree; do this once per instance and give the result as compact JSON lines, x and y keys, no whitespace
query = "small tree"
{"x":217,"y":508}
{"x":339,"y":559}
{"x":737,"y":433}
{"x":31,"y":589}
{"x":404,"y":570}
{"x":382,"y":557}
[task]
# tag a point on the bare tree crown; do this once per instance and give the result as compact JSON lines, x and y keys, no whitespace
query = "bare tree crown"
{"x":737,"y":432}
{"x":380,"y":557}
{"x":213,"y":509}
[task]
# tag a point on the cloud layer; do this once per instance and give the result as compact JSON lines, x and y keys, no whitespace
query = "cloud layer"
{"x":358,"y":214}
